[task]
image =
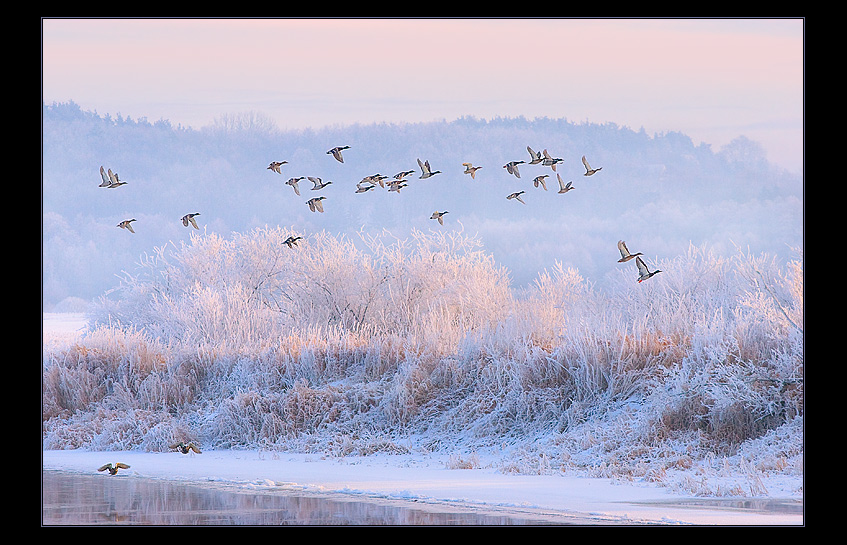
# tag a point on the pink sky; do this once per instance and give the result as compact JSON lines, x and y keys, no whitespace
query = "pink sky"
{"x":712,"y":79}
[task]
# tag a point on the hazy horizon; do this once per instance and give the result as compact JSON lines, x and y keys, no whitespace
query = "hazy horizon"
{"x":712,"y":79}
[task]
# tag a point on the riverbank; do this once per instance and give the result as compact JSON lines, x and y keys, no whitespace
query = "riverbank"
{"x":430,"y":481}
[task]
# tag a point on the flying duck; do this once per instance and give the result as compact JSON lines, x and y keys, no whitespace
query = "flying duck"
{"x":316,"y":204}
{"x":562,"y":187}
{"x":113,"y":469}
{"x":336,"y":152}
{"x":438,"y":216}
{"x":512,"y":167}
{"x":588,"y":170}
{"x":540,"y":180}
{"x":363,"y":188}
{"x":189,"y":218}
{"x":114,"y":181}
{"x":275,"y":166}
{"x":103,"y":176}
{"x":516,"y":196}
{"x":293,"y":183}
{"x":426,"y":171}
{"x":125,"y":224}
{"x":378,"y":178}
{"x":292,"y":241}
{"x":643,"y":272}
{"x":401,"y":175}
{"x":625,"y":255}
{"x":396,"y":185}
{"x":319,"y":184}
{"x":185,"y":448}
{"x":535,"y":156}
{"x":549,"y":161}
{"x":470,"y":169}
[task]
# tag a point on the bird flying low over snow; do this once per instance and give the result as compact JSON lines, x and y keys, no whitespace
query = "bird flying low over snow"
{"x":563,"y":188}
{"x":189,"y":218}
{"x":126,"y":224}
{"x":588,"y":170}
{"x":113,"y":469}
{"x":625,"y":254}
{"x":336,"y":152}
{"x":185,"y":448}
{"x":438,"y":216}
{"x":516,"y":196}
{"x":426,"y":170}
{"x":643,"y":272}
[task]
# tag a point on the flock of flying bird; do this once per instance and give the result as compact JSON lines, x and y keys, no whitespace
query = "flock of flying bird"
{"x":396,"y":183}
{"x":399,"y":181}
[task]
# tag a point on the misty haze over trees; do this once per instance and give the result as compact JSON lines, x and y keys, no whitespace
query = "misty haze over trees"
{"x":661,"y":193}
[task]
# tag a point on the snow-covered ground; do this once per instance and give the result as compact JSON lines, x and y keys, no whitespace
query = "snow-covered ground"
{"x":429,"y":479}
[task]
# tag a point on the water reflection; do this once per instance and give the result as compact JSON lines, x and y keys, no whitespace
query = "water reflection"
{"x":771,"y":506}
{"x":79,"y":499}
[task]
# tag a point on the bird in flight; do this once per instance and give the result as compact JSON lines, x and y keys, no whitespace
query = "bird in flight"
{"x":106,"y":182}
{"x":293,"y":183}
{"x":292,"y":241}
{"x":319,"y":184}
{"x":189,"y":218}
{"x":588,"y":170}
{"x":516,"y":196}
{"x":549,"y":161}
{"x":426,"y":170}
{"x":336,"y":152}
{"x":563,"y":188}
{"x":275,"y":166}
{"x":625,"y":254}
{"x":363,"y":188}
{"x":438,"y":216}
{"x":114,"y":181}
{"x":643,"y":272}
{"x":470,"y":169}
{"x":512,"y":167}
{"x":126,"y":224}
{"x":535,"y":156}
{"x":316,"y":204}
{"x":113,"y":469}
{"x":185,"y":448}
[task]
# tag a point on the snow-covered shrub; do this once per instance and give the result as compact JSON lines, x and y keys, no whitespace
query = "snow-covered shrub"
{"x":247,"y":290}
{"x":350,"y":345}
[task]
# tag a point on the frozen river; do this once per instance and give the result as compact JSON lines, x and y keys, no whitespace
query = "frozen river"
{"x":77,"y":499}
